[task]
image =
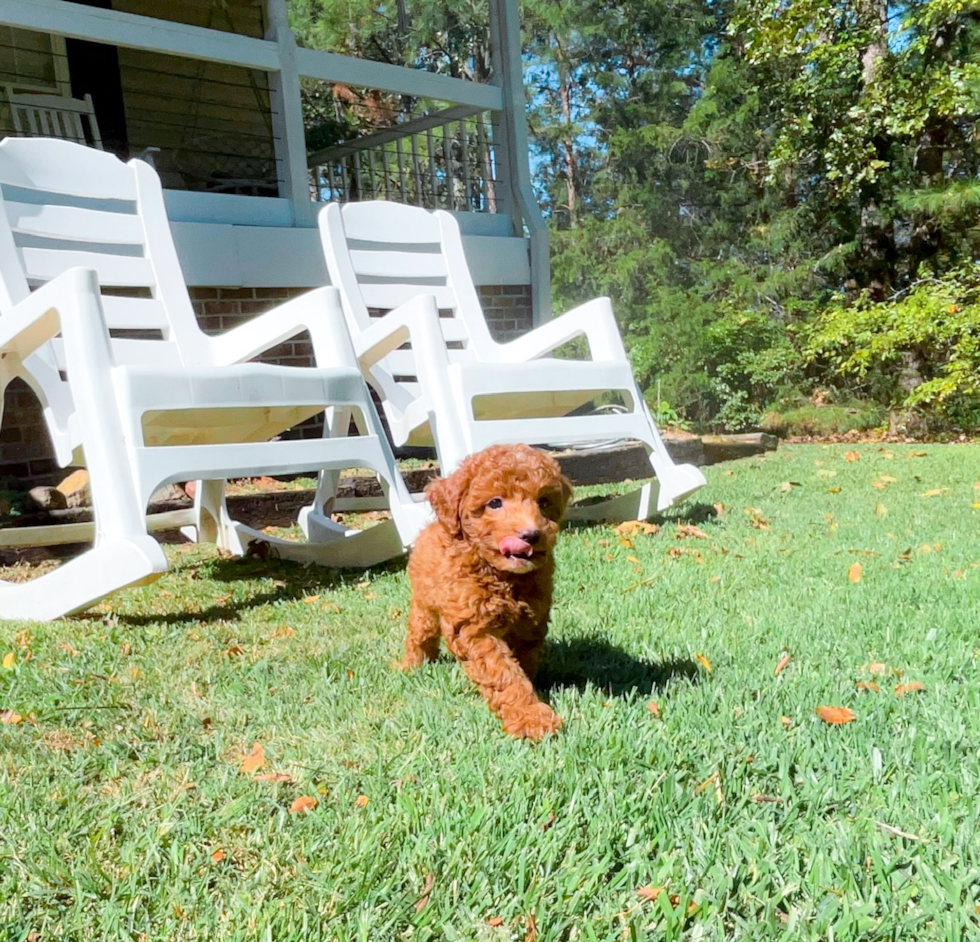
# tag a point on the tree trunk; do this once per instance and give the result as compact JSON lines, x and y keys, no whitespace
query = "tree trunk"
{"x":568,"y":145}
{"x":877,"y":236}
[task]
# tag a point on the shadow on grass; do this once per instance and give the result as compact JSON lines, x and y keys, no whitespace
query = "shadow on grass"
{"x":687,"y":513}
{"x":294,"y":582}
{"x":595,"y":661}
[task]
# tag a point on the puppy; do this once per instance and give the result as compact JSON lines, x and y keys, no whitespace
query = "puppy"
{"x":482,"y":578}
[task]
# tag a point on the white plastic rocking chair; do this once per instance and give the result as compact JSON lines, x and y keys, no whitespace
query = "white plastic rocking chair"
{"x":457,"y":385}
{"x":135,"y":391}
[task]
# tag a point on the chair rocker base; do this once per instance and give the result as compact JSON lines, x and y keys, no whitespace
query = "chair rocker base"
{"x":81,"y":582}
{"x":654,"y":497}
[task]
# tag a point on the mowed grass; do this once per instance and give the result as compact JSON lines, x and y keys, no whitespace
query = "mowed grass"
{"x":124,"y":812}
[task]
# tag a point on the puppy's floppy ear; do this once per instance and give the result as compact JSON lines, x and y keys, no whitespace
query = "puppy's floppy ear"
{"x":566,"y":492}
{"x":446,"y":497}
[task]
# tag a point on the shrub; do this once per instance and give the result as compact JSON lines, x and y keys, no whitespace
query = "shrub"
{"x":919,"y":351}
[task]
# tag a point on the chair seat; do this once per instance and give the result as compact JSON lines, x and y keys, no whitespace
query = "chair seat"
{"x":542,"y":388}
{"x":536,"y":389}
{"x":246,"y":402}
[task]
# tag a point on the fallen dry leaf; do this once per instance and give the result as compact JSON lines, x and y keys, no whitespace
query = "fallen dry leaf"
{"x":654,"y":708}
{"x":551,"y":820}
{"x":10,"y":717}
{"x":304,"y":804}
{"x":362,"y":801}
{"x":918,"y":454}
{"x":310,"y":599}
{"x":888,"y":479}
{"x":852,"y":456}
{"x":880,"y":509}
{"x":867,"y":685}
{"x":879,"y":484}
{"x":877,"y":668}
{"x":762,"y":799}
{"x":218,"y":856}
{"x":8,"y":660}
{"x":913,"y":686}
{"x":532,"y":929}
{"x":495,"y":921}
{"x":835,"y":715}
{"x":786,"y":721}
{"x":632,"y":527}
{"x":273,"y":777}
{"x":689,"y":530}
{"x":430,"y":881}
{"x":712,"y":779}
{"x":254,"y":760}
{"x":756,"y":519}
{"x":783,"y":664}
{"x":719,"y":508}
{"x":705,"y":663}
{"x":854,"y":573}
{"x":652,"y":894}
{"x":934,"y":492}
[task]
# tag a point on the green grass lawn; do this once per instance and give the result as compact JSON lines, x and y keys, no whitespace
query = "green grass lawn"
{"x":124,"y":812}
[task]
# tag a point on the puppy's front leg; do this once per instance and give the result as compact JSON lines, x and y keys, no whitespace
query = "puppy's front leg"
{"x":492,"y":666}
{"x":528,"y":647}
{"x":422,"y":640}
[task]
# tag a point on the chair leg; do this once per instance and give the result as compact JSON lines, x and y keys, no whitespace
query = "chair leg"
{"x":214,"y":524}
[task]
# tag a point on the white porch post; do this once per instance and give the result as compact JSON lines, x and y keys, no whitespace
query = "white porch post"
{"x":287,"y":116}
{"x":505,"y":50}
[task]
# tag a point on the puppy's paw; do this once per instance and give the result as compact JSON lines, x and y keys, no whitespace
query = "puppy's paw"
{"x":536,"y":722}
{"x":410,"y":661}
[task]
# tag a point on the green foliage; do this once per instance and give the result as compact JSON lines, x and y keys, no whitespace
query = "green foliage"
{"x":934,"y":329}
{"x":751,"y":362}
{"x":768,"y":157}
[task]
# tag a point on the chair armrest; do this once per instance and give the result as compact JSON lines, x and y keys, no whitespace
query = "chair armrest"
{"x":317,"y":312}
{"x":594,"y":320}
{"x":38,"y":318}
{"x":416,"y":320}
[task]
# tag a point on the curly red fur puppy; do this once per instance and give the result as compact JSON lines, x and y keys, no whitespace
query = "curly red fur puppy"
{"x":482,"y":577}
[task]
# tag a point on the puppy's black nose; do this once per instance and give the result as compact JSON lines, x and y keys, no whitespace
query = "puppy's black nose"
{"x":529,"y":536}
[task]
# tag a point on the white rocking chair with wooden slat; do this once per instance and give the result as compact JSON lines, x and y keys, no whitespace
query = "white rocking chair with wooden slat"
{"x":169,"y":403}
{"x":40,"y":115}
{"x":403,"y":278}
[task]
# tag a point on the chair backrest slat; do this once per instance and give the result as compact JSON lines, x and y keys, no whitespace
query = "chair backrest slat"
{"x":75,"y":223}
{"x":385,"y":297}
{"x":375,"y":221}
{"x":123,"y":313}
{"x":43,"y":264}
{"x":132,"y":352}
{"x":395,"y":265}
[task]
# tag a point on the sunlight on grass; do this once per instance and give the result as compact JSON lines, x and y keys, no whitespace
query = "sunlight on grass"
{"x":690,"y":767}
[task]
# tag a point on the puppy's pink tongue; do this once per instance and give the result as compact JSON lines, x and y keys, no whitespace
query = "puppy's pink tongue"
{"x":514,"y":546}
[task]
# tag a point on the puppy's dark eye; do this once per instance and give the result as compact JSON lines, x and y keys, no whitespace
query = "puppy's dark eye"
{"x":495,"y":503}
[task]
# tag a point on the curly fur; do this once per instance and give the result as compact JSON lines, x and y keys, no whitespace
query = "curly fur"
{"x":482,"y":578}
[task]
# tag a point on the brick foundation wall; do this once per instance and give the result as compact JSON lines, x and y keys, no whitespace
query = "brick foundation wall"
{"x":25,"y":450}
